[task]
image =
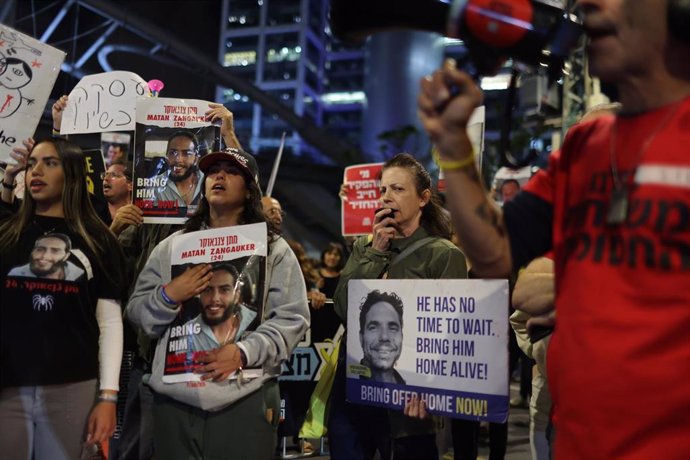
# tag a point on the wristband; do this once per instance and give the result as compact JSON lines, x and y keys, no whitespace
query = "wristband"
{"x":7,"y":186}
{"x":243,"y":357}
{"x":165,"y":297}
{"x":453,"y":165}
{"x":107,"y":397}
{"x":56,"y":132}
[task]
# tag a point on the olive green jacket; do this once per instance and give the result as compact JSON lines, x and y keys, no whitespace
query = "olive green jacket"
{"x":438,"y":259}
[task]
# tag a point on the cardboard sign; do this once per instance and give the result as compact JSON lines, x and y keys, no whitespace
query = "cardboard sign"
{"x":103,"y":102}
{"x":28,"y":69}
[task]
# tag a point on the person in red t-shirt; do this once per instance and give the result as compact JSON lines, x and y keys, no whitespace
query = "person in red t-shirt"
{"x":615,"y":209}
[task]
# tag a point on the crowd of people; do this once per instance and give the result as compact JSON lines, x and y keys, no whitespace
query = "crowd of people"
{"x":610,"y":256}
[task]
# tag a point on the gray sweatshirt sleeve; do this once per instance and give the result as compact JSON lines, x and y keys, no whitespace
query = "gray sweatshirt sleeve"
{"x":146,"y":308}
{"x":286,"y":313}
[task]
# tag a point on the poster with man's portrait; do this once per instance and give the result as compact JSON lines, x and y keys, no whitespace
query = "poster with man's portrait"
{"x":171,"y":137}
{"x":229,"y":308}
{"x":445,"y":341}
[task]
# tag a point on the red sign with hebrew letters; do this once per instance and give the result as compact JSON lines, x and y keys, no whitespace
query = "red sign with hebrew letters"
{"x":361,"y":188}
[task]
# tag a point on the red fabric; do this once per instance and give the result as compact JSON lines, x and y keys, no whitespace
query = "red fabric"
{"x":619,"y":361}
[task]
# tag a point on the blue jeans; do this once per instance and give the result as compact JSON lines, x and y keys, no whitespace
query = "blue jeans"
{"x":45,"y":422}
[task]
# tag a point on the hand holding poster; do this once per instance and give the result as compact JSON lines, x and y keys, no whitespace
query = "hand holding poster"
{"x":361,"y":185}
{"x":171,"y":137}
{"x":230,"y":307}
{"x":443,"y":340}
{"x":103,"y":102}
{"x":28,"y":69}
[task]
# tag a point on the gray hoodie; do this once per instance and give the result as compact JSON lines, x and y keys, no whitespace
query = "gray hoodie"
{"x":286,"y":319}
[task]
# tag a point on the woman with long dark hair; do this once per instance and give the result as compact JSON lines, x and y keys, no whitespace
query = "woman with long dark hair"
{"x":216,"y":418}
{"x":60,"y":317}
{"x":411,"y":217}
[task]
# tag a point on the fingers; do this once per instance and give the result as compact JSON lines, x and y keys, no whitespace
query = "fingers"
{"x":60,"y":104}
{"x":443,"y":86}
{"x":317,"y":299}
{"x":205,"y":358}
{"x":216,"y":375}
{"x":91,"y":429}
{"x":422,"y":409}
{"x":218,"y":112}
{"x":198,"y":273}
{"x":416,"y":408}
{"x":29,"y":143}
{"x":190,"y":283}
{"x":343,"y":191}
{"x":130,"y":214}
{"x":221,"y":376}
{"x":126,"y":220}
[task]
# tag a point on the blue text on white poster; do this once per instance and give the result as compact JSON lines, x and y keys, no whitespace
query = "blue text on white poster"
{"x":444,"y":340}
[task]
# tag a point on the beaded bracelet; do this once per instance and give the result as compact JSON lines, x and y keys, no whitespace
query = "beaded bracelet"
{"x":165,"y":297}
{"x":107,"y":397}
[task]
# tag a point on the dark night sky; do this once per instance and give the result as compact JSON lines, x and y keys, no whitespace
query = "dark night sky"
{"x":195,"y":22}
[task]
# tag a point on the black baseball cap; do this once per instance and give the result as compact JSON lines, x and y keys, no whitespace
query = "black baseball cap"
{"x":244,"y":161}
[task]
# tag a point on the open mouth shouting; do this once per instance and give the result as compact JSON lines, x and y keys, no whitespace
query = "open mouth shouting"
{"x":36,"y":185}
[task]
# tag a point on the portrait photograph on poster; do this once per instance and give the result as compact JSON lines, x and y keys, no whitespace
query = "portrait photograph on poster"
{"x":171,"y":137}
{"x":445,"y":341}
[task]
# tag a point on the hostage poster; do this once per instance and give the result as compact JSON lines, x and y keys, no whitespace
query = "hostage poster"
{"x":28,"y":69}
{"x":171,"y":137}
{"x":443,"y":340}
{"x":229,"y":308}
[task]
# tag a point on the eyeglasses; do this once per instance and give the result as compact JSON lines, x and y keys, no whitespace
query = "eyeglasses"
{"x":275,"y":212}
{"x":112,"y":175}
{"x":184,"y":154}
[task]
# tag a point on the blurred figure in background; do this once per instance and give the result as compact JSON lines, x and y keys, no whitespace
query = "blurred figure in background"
{"x":324,"y":320}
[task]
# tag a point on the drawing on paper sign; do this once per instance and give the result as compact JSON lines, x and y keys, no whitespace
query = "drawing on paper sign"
{"x":28,"y":69}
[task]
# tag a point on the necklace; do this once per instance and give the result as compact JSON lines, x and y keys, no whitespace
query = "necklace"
{"x":233,"y":331}
{"x":186,"y":195}
{"x":619,"y":201}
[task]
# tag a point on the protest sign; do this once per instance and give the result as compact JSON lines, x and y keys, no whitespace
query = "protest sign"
{"x":443,"y":340}
{"x":229,"y":308}
{"x":362,"y":189}
{"x":28,"y":69}
{"x":171,"y":137}
{"x":103,"y":102}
